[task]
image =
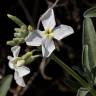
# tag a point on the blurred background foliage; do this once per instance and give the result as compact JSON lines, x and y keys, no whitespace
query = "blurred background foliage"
{"x":69,"y":12}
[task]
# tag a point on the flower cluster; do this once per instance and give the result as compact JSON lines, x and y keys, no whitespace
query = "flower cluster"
{"x":20,"y":33}
{"x":17,"y":64}
{"x":45,"y":38}
{"x":38,"y":38}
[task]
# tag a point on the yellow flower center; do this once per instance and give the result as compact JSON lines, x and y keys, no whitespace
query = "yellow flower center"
{"x":48,"y":34}
{"x":18,"y":61}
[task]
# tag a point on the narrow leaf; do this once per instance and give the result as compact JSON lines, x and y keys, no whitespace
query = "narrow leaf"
{"x":82,"y":92}
{"x":86,"y":59}
{"x":5,"y":85}
{"x":89,"y":38}
{"x":90,"y":12}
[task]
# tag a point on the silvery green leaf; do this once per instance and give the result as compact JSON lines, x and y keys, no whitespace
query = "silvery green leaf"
{"x":86,"y":65}
{"x":95,"y":80}
{"x":82,"y":92}
{"x":5,"y":85}
{"x":94,"y":76}
{"x":89,"y":38}
{"x":90,"y":12}
{"x":86,"y":59}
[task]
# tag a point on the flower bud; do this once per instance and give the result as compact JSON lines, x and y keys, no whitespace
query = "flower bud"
{"x":30,"y":28}
{"x":27,"y":55}
{"x":18,"y":40}
{"x":12,"y":43}
{"x":16,"y":20}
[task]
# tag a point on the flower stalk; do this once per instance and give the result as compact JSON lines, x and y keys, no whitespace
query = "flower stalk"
{"x":73,"y":74}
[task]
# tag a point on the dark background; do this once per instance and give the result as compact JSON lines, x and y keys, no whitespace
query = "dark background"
{"x":69,"y":12}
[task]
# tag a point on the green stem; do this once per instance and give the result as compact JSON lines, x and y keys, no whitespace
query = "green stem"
{"x":73,"y":74}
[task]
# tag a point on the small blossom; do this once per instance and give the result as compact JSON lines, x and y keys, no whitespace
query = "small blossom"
{"x":16,"y":64}
{"x":45,"y":38}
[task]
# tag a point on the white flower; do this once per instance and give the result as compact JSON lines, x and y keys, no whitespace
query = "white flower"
{"x":15,"y":64}
{"x":45,"y":38}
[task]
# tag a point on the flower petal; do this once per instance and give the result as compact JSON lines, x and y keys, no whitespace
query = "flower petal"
{"x":48,"y":19}
{"x":33,"y":39}
{"x":22,"y":71}
{"x":19,"y":80}
{"x":62,"y":31}
{"x":15,"y":50}
{"x":10,"y":58}
{"x":47,"y":47}
{"x":11,"y":65}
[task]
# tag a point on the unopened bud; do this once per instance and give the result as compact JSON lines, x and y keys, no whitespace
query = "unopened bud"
{"x":16,"y":20}
{"x":31,"y":59}
{"x":18,"y":40}
{"x":27,"y":55}
{"x":30,"y":28}
{"x":12,"y":43}
{"x":18,"y":35}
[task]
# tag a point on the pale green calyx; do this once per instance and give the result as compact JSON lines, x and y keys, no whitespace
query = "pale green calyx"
{"x":29,"y":57}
